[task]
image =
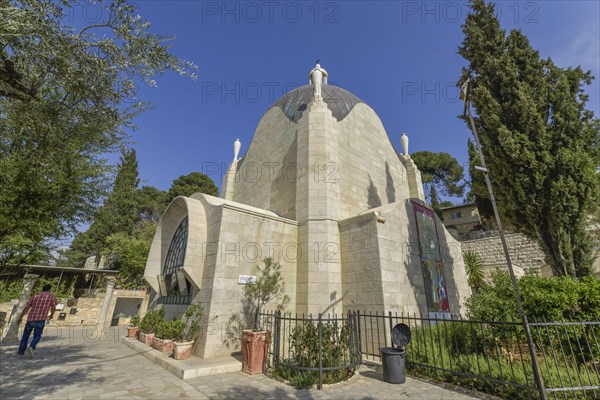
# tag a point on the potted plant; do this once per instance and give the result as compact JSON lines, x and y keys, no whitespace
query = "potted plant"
{"x":255,"y":342}
{"x":163,"y":337}
{"x":134,"y":326}
{"x":184,"y":331}
{"x":149,"y":324}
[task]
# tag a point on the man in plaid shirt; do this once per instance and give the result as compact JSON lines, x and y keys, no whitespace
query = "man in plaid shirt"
{"x":40,"y":305}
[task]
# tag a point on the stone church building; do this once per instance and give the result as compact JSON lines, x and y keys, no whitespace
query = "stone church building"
{"x":321,"y":190}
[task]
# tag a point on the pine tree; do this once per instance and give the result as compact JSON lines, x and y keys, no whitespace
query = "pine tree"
{"x":195,"y":182}
{"x":440,"y":172}
{"x":539,"y":140}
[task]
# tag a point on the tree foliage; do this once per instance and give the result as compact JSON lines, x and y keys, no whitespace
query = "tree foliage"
{"x":124,"y":226}
{"x":446,"y":203}
{"x":553,"y":299}
{"x":539,"y":140}
{"x":118,"y":214}
{"x":195,"y":182}
{"x":67,"y":99}
{"x":268,"y":287}
{"x":441,"y":173}
{"x":152,"y":203}
{"x":479,"y":192}
{"x":128,"y":253}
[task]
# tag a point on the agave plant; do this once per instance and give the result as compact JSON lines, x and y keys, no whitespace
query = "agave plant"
{"x":475,"y":270}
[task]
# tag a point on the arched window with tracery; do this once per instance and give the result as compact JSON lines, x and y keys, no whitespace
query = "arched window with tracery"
{"x":175,"y":288}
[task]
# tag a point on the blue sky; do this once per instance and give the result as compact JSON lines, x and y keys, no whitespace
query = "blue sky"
{"x":400,"y":57}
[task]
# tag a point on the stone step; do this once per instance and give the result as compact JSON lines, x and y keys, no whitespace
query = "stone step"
{"x":191,"y":368}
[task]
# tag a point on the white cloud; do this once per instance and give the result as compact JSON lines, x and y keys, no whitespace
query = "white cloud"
{"x":580,"y":47}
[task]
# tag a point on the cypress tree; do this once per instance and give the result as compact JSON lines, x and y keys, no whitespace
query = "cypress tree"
{"x":118,"y":214}
{"x":539,"y":140}
{"x":479,"y":193}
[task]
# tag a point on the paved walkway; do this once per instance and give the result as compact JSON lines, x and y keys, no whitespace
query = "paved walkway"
{"x":72,"y":363}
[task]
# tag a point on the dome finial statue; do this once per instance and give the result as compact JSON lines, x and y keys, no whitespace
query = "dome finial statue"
{"x":317,"y":77}
{"x":404,"y":142}
{"x":236,"y":149}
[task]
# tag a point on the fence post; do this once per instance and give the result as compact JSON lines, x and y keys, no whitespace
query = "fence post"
{"x":359,"y":335}
{"x":356,"y":338}
{"x":391,"y":327}
{"x":320,"y":386}
{"x":277,"y":337}
{"x":537,"y":374}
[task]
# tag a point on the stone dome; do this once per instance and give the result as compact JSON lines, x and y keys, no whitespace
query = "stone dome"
{"x":338,"y":100}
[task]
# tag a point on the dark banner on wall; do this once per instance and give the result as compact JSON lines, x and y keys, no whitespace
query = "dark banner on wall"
{"x":431,"y":260}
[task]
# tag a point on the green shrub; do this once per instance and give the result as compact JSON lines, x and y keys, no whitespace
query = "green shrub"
{"x":178,"y":327}
{"x":152,"y":320}
{"x":10,"y":291}
{"x":185,"y":328}
{"x":474,"y":352}
{"x":65,"y":291}
{"x":192,"y":321}
{"x":304,"y":353}
{"x":159,"y":330}
{"x":135,"y":321}
{"x":463,"y":338}
{"x":297,"y":378}
{"x":168,"y":330}
{"x":550,"y":299}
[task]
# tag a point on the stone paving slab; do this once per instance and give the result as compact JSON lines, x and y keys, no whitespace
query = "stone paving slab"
{"x":74,"y":364}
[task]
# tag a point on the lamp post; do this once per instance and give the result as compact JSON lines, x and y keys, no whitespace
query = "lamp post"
{"x":465,"y":96}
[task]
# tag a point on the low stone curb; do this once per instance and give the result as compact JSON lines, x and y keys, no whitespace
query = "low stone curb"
{"x":186,"y":369}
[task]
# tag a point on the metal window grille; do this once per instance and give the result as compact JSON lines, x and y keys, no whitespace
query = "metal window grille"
{"x":176,"y":252}
{"x":174,"y":261}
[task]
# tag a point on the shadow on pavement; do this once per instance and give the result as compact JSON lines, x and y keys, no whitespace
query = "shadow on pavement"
{"x":43,"y":375}
{"x":62,"y":358}
{"x":372,"y":375}
{"x":251,"y":393}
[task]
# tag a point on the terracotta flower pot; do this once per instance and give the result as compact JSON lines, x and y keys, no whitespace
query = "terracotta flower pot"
{"x":162,"y":344}
{"x":132,"y":331}
{"x":182,"y":350}
{"x":255,"y":347}
{"x":146,"y":337}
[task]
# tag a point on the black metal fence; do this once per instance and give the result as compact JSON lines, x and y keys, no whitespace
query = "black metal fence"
{"x":307,"y":346}
{"x":493,"y":356}
{"x":489,"y":356}
{"x":569,"y":354}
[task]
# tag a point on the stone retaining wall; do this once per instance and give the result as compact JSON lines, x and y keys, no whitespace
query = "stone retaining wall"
{"x":88,"y":310}
{"x":524,"y":253}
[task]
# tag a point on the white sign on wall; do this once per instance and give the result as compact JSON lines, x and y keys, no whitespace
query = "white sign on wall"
{"x":246,"y":279}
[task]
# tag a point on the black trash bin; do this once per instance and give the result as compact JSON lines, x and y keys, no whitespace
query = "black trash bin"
{"x":393,"y":361}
